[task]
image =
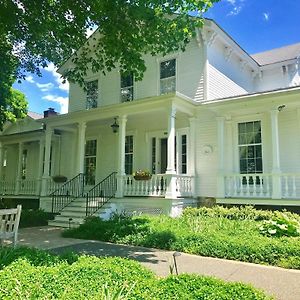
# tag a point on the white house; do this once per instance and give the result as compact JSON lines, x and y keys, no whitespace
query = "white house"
{"x":212,"y":121}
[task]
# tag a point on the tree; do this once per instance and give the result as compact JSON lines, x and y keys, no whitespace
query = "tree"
{"x":32,"y":33}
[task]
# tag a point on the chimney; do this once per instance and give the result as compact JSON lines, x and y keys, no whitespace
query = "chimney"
{"x":49,"y":112}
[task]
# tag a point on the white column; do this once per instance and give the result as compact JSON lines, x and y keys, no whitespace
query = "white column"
{"x":1,"y":160}
{"x":276,"y":171}
{"x":46,"y":175}
{"x":171,"y":142}
{"x":40,"y":165}
{"x":19,"y":169}
{"x":81,"y":147}
{"x":171,"y":172}
{"x":221,"y":150}
{"x":121,"y":155}
{"x":192,"y":154}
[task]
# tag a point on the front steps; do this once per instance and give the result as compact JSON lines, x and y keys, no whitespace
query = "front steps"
{"x":74,"y":214}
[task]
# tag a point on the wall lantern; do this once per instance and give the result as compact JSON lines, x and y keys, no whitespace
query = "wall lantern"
{"x":115,"y":126}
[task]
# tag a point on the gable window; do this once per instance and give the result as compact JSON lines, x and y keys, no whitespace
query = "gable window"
{"x":126,"y":87}
{"x":90,"y":161}
{"x":92,"y":94}
{"x":129,"y":154}
{"x":168,"y":76}
{"x":250,"y":147}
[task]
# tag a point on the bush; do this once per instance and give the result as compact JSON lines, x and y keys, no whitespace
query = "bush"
{"x":97,"y":278}
{"x":34,"y":217}
{"x":216,"y":232}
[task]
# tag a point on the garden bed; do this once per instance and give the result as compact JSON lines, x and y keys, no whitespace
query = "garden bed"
{"x":230,"y":233}
{"x":34,"y":274}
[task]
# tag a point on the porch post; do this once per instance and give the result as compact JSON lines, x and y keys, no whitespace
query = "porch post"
{"x":46,"y":175}
{"x":221,"y":149}
{"x":40,"y":165}
{"x":121,"y":158}
{"x":171,"y":188}
{"x":192,"y":154}
{"x":81,"y":146}
{"x":19,"y":169}
{"x":1,"y":160}
{"x":276,"y":171}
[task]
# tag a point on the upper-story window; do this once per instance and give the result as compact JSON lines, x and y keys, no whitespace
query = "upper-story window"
{"x":126,"y":87}
{"x":92,"y":92}
{"x":168,"y":76}
{"x":250,"y":147}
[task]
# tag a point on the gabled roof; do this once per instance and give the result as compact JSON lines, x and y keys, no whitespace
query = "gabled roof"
{"x":278,"y":54}
{"x":34,"y":115}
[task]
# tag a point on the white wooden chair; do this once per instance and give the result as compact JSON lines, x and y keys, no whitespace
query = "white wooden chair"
{"x":9,"y":223}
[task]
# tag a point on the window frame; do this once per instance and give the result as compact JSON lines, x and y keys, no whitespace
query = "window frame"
{"x":249,"y":145}
{"x":132,"y":87}
{"x":129,"y":154}
{"x":96,"y":100}
{"x":165,"y":59}
{"x":90,"y":156}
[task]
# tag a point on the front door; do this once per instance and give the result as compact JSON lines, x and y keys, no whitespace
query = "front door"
{"x":163,"y":155}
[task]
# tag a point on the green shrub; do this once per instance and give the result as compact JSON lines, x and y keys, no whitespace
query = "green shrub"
{"x":110,"y":278}
{"x":34,"y":217}
{"x":216,"y":232}
{"x":34,"y":256}
{"x":280,"y":226}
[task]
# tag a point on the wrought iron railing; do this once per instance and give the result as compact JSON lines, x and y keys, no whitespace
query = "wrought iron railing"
{"x":72,"y":189}
{"x":101,"y":194}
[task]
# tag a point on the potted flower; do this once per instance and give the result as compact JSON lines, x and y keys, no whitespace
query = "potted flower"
{"x":142,"y":175}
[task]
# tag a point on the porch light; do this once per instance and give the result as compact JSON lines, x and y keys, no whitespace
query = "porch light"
{"x":115,"y":126}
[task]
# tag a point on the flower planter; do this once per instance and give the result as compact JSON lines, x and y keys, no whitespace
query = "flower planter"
{"x":137,"y":177}
{"x":59,"y":178}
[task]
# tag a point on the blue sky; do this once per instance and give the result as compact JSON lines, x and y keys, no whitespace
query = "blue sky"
{"x":256,"y":25}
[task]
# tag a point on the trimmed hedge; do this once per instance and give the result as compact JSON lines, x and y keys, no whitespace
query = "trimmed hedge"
{"x":230,"y":233}
{"x":34,"y":217}
{"x":96,"y":278}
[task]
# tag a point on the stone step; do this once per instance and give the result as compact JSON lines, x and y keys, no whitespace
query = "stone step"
{"x":75,"y":219}
{"x":63,"y":224}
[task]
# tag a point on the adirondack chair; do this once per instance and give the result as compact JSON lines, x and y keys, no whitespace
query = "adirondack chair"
{"x":9,"y":224}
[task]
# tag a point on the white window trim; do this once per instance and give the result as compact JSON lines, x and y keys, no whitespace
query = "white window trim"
{"x":89,"y":79}
{"x":93,"y":138}
{"x":134,"y":89}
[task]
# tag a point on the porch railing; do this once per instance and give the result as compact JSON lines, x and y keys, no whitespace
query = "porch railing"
{"x":101,"y":194}
{"x":290,"y":185}
{"x":28,"y":187}
{"x":157,"y":185}
{"x":74,"y":188}
{"x":7,"y":187}
{"x":248,"y":185}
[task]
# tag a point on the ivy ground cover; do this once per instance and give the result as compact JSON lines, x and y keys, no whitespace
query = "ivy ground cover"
{"x":243,"y":234}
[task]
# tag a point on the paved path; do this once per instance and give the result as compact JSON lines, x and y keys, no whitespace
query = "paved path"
{"x":282,"y":283}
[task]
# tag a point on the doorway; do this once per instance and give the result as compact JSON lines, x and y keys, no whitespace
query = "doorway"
{"x":163,"y":155}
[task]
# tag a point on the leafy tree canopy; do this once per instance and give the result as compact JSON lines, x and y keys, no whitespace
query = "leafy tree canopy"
{"x":32,"y":33}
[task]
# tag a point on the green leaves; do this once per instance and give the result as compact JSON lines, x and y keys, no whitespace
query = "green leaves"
{"x":48,"y":30}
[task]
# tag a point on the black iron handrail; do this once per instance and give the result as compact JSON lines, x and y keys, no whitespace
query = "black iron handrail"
{"x":70,"y":190}
{"x":101,"y":194}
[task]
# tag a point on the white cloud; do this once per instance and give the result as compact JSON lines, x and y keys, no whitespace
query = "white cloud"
{"x":30,"y":79}
{"x":61,"y":85}
{"x":45,"y":87}
{"x":237,"y":6}
{"x":266,"y":16}
{"x":62,"y":101}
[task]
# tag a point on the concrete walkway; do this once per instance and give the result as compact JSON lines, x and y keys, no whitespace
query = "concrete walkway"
{"x":282,"y":283}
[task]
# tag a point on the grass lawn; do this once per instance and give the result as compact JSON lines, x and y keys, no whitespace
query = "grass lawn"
{"x":33,"y":274}
{"x":218,"y":232}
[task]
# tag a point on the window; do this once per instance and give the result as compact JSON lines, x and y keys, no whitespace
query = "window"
{"x":129,"y":155}
{"x":183,"y":154}
{"x":168,"y":76}
{"x":92,"y":94}
{"x":90,"y":161}
{"x":126,"y":87}
{"x":250,"y":147}
{"x":50,"y":159}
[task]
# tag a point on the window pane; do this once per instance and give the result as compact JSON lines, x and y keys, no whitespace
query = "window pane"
{"x":126,"y":80}
{"x":129,"y":154}
{"x":167,"y":68}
